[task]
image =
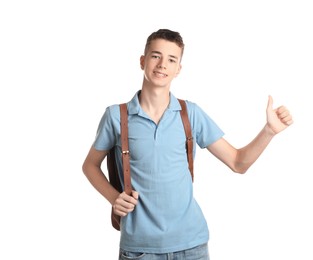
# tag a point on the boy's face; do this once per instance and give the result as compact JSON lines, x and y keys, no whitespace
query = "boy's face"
{"x":161,"y":63}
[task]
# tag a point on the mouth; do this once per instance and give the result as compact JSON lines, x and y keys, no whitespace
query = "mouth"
{"x":160,"y":74}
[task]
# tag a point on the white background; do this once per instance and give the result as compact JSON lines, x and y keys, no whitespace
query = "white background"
{"x":63,"y":62}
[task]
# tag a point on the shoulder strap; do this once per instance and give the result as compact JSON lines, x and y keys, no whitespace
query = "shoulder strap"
{"x":189,"y":138}
{"x":125,"y":149}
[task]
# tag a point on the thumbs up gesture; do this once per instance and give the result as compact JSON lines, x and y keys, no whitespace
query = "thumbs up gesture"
{"x":279,"y":118}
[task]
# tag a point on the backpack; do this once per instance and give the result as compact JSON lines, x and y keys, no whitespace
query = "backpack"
{"x":111,"y":162}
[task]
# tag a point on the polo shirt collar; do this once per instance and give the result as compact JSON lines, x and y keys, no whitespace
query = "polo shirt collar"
{"x":135,"y":108}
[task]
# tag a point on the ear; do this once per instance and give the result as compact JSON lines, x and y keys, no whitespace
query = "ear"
{"x":142,"y":62}
{"x":178,"y":70}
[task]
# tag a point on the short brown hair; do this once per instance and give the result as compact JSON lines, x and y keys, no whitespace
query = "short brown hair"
{"x":168,"y":35}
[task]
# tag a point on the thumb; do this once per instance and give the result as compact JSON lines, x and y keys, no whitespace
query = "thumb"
{"x":270,"y":102}
{"x":135,"y":194}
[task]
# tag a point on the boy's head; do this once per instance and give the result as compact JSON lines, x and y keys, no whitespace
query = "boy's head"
{"x":168,"y":35}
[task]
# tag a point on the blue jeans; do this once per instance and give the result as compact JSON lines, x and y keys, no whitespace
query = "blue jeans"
{"x":197,"y":253}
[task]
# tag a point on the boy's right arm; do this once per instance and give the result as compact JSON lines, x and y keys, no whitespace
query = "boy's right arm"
{"x":92,"y":170}
{"x":121,"y":202}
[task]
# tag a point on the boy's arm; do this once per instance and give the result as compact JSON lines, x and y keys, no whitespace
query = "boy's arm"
{"x":239,"y":160}
{"x":92,"y":170}
{"x":121,"y":202}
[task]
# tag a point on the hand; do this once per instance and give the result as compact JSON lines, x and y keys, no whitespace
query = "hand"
{"x":125,"y":204}
{"x":277,"y":119}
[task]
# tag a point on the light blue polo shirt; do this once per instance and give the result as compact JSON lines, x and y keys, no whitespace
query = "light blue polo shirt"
{"x":167,"y":218}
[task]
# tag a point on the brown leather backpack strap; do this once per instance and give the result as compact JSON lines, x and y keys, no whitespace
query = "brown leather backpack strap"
{"x":189,"y":138}
{"x":125,"y":149}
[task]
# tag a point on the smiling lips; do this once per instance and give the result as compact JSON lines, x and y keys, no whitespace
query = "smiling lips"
{"x":159,"y":74}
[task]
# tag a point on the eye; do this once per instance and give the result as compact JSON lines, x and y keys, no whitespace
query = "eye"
{"x":172,"y":60}
{"x":155,"y":57}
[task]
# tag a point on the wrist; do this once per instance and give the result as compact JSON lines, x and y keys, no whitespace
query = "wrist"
{"x":269,"y":131}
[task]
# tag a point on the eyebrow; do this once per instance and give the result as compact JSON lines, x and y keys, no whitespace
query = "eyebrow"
{"x":172,"y":56}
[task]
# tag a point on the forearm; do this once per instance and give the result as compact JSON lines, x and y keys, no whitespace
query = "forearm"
{"x":247,"y":155}
{"x":99,"y":181}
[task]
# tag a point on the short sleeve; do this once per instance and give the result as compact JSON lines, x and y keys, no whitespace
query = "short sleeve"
{"x":108,"y":129}
{"x":204,"y":128}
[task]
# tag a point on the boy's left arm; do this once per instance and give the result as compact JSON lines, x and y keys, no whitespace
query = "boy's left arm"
{"x":239,"y":160}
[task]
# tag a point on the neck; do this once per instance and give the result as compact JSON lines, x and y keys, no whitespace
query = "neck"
{"x":154,"y":102}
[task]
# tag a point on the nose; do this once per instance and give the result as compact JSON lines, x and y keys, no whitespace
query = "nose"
{"x":161,"y":66}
